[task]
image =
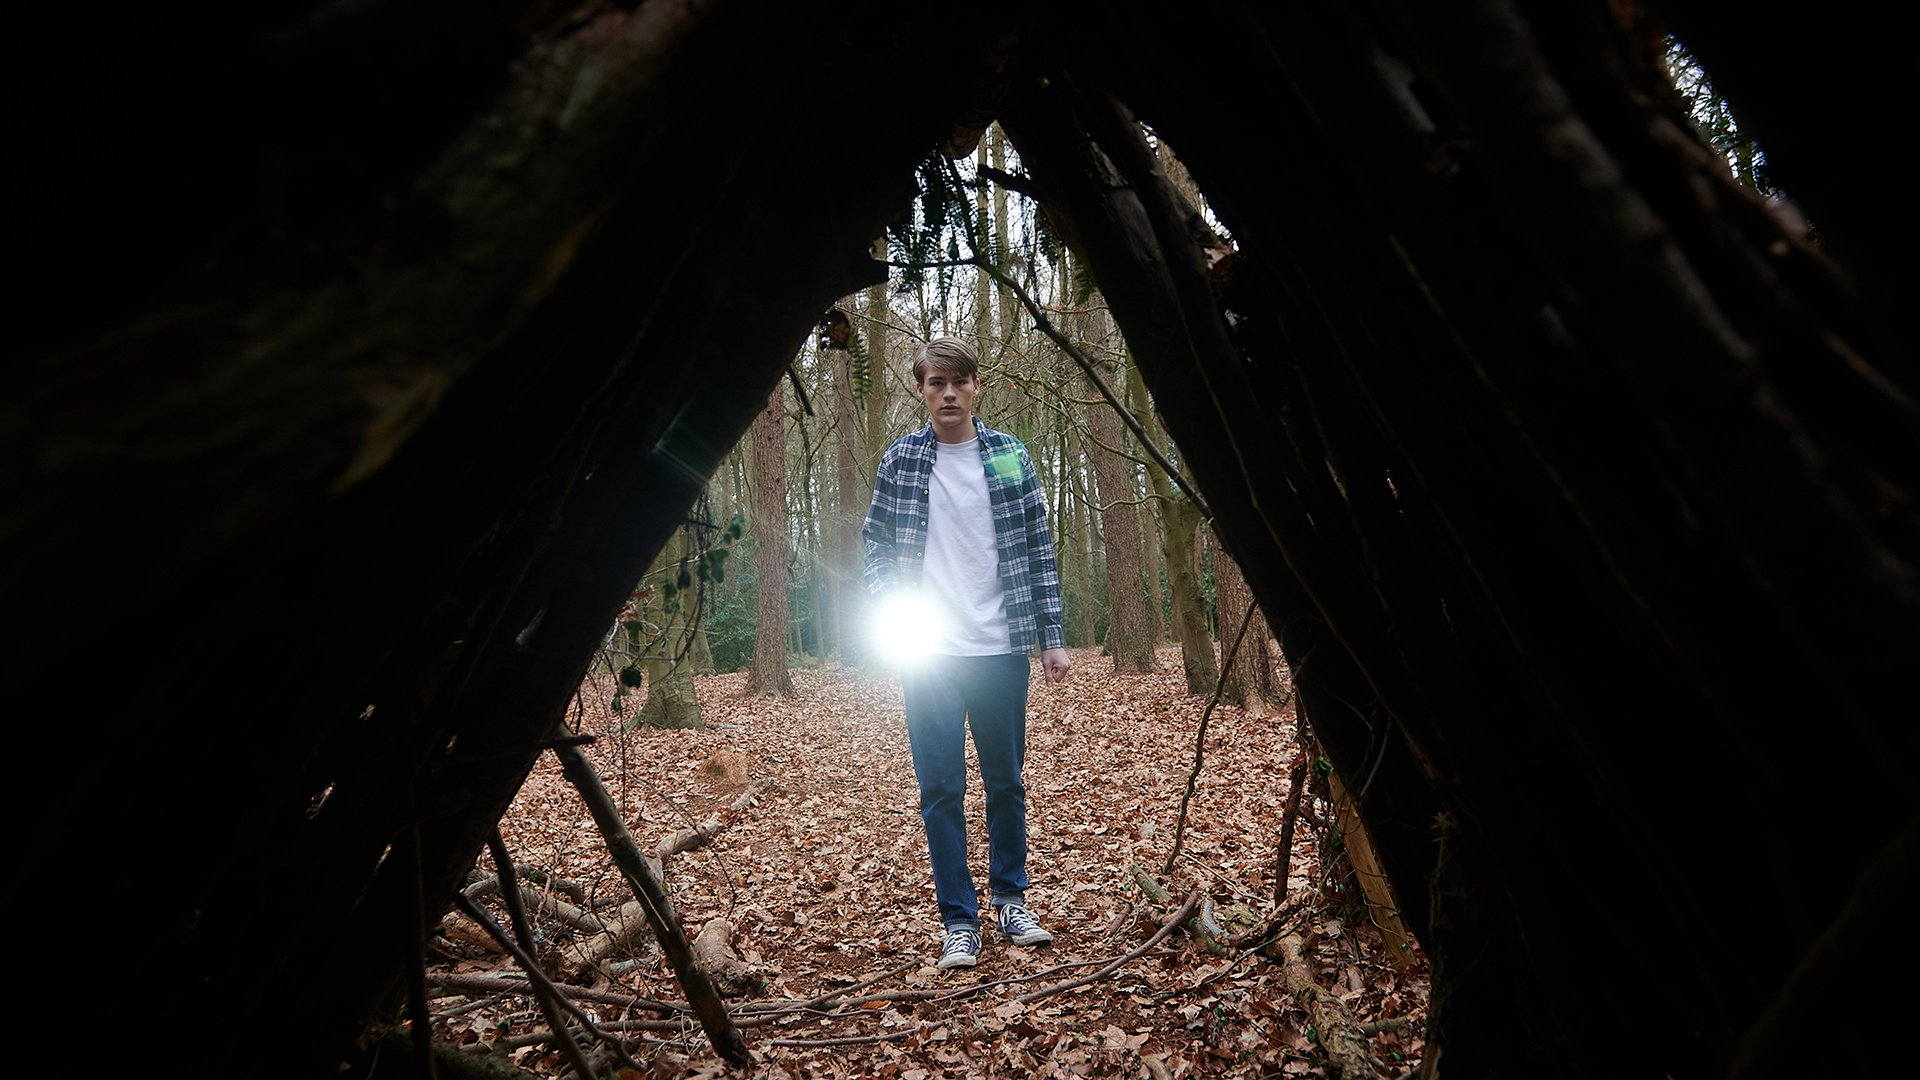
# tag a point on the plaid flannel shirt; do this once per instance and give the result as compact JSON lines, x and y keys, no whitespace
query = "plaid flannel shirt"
{"x":896,"y":530}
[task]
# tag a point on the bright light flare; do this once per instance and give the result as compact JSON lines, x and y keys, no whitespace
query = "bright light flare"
{"x":902,"y":626}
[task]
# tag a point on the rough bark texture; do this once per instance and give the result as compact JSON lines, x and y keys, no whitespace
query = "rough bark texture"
{"x":1179,"y":529}
{"x":1127,"y":629}
{"x":1499,"y":390}
{"x":672,"y":700}
{"x":769,"y":674}
{"x":851,"y":492}
{"x":1250,"y":678}
{"x":1579,"y":485}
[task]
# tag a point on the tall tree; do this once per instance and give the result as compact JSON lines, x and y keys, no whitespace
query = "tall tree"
{"x":1249,"y":681}
{"x":769,"y":674}
{"x":1119,"y":499}
{"x":1179,"y":527}
{"x":667,"y":634}
{"x":851,"y":490}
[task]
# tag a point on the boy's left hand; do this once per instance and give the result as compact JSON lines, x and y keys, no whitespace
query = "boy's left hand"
{"x":1055,"y":663}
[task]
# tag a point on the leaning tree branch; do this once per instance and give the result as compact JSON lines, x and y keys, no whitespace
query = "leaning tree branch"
{"x":550,"y":1007}
{"x":652,"y":893}
{"x":415,"y":958}
{"x":1200,"y":740}
{"x":1092,"y":373}
{"x":545,"y":991}
{"x":1283,"y":859}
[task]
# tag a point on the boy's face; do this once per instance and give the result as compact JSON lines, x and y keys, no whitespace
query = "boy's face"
{"x":949,"y":401}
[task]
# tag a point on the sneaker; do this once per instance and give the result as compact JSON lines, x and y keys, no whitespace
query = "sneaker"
{"x":1020,"y":926}
{"x":962,"y":948}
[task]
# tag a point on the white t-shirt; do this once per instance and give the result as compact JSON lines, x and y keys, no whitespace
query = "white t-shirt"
{"x":961,"y":578}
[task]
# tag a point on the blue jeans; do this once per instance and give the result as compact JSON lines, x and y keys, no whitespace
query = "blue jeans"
{"x":943,"y":698}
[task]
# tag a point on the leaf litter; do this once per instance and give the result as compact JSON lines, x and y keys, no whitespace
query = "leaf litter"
{"x":825,"y":881}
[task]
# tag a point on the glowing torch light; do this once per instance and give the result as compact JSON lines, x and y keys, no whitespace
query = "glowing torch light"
{"x":902,"y":626}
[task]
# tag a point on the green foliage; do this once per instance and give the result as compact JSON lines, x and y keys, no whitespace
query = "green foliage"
{"x":730,"y":613}
{"x":1714,"y":115}
{"x":932,"y":233}
{"x":860,"y":365}
{"x":1083,"y":284}
{"x":705,"y":565}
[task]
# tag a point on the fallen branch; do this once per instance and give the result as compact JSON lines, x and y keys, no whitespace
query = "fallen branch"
{"x":652,"y":893}
{"x":1159,"y":895}
{"x":550,"y":1005}
{"x":851,"y":1040}
{"x":1186,"y":909}
{"x":616,"y":933}
{"x":835,"y":995}
{"x":686,"y":839}
{"x":1340,"y":1034}
{"x":481,"y":884}
{"x":1260,"y":937}
{"x":500,"y":984}
{"x":698,"y":835}
{"x":733,"y":975}
{"x":548,"y":904}
{"x":544,"y":989}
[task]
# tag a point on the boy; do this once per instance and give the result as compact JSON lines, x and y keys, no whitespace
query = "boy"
{"x":957,"y":516}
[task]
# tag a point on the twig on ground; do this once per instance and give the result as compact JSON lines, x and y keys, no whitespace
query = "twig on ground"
{"x":851,"y":1040}
{"x":1270,"y":929}
{"x":632,"y":1028}
{"x":473,"y":1006}
{"x":1158,"y":894}
{"x":1178,"y":917}
{"x":523,"y":930}
{"x":539,"y":978}
{"x":831,"y":995}
{"x":576,"y":917}
{"x":498,"y":984}
{"x":647,"y":886}
{"x":1238,"y":889}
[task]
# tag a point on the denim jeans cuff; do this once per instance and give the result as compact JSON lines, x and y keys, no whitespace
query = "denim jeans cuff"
{"x":999,"y":901}
{"x":973,"y":926}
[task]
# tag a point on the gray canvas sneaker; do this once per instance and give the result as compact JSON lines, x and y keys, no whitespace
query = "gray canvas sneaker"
{"x":962,"y":948}
{"x":1020,"y":926}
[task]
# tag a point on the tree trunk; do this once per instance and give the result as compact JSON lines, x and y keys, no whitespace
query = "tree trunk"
{"x":1249,"y":680}
{"x":668,"y":642}
{"x":1179,"y":526}
{"x":769,"y":674}
{"x":671,"y":698}
{"x":1153,"y":554}
{"x":1127,"y":639}
{"x":851,"y":493}
{"x":1083,"y":538}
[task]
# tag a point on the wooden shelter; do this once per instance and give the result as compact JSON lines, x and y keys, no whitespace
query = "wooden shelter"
{"x":369,"y":351}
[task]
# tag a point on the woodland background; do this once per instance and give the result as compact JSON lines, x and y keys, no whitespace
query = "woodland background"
{"x":370,"y":355}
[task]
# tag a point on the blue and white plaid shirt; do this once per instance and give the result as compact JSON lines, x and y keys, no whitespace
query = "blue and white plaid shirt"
{"x":896,"y":530}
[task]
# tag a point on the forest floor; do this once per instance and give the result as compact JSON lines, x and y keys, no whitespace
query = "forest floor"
{"x":825,"y":881}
